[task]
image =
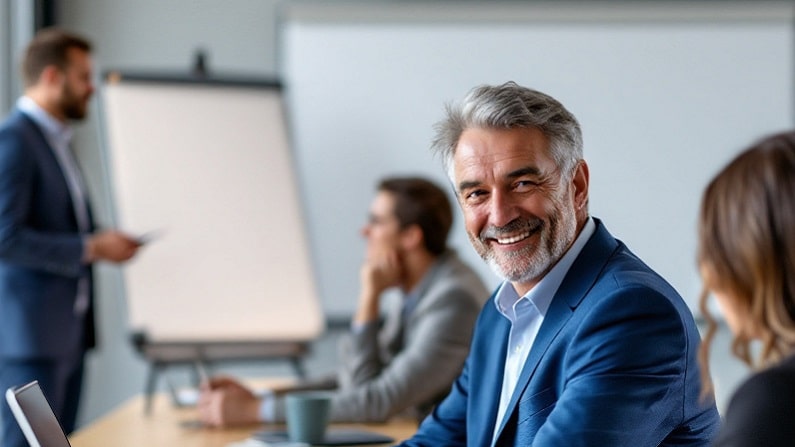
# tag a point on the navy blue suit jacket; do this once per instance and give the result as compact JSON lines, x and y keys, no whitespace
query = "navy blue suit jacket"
{"x":40,"y":250}
{"x":614,"y":364}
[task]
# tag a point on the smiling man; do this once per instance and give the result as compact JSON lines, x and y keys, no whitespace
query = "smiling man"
{"x":582,"y":344}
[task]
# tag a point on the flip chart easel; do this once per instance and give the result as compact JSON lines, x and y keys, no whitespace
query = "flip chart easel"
{"x":203,"y":165}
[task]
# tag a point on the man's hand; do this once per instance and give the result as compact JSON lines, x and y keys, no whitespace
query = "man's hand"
{"x":111,"y":245}
{"x":225,"y":402}
{"x":378,"y":273}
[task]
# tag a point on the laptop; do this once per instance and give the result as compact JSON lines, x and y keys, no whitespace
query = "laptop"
{"x":35,"y":416}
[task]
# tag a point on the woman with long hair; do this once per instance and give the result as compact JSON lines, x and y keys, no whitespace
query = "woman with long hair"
{"x":746,"y":257}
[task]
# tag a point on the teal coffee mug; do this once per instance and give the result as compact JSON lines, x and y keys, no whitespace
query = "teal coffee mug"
{"x":307,"y":416}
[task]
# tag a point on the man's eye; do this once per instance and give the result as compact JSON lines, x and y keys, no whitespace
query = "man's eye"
{"x":475,"y":195}
{"x":524,"y":185}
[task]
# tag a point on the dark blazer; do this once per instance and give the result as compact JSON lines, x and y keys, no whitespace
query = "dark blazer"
{"x":760,"y":411}
{"x":40,"y":249}
{"x":614,"y":364}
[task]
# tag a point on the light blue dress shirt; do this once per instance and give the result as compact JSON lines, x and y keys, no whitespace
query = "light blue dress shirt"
{"x":526,"y":314}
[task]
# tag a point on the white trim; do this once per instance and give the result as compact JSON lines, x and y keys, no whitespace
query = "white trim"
{"x":561,"y":11}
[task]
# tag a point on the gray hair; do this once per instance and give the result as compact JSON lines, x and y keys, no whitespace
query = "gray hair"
{"x":510,"y":106}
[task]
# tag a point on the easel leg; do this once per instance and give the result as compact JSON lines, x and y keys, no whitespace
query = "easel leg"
{"x":151,"y":382}
{"x":298,"y":367}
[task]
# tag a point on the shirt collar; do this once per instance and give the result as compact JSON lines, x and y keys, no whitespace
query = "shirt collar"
{"x":57,"y":132}
{"x":542,"y":293}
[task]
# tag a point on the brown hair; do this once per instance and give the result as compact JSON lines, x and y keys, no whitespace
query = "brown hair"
{"x":421,"y":202}
{"x":747,"y":249}
{"x":50,"y":46}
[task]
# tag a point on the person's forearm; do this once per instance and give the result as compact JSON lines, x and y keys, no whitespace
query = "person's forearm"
{"x":368,"y":308}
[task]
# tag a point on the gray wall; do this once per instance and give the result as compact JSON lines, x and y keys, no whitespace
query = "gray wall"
{"x":241,"y":38}
{"x":16,"y":27}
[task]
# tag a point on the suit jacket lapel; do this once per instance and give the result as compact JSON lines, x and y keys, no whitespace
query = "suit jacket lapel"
{"x":486,"y":391}
{"x":575,"y":286}
{"x":46,"y":154}
{"x":83,"y":185}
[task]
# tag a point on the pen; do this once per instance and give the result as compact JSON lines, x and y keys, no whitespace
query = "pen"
{"x":148,"y":237}
{"x":204,"y":378}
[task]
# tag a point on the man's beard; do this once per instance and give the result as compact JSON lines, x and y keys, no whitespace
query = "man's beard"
{"x":72,"y":106}
{"x":531,"y":262}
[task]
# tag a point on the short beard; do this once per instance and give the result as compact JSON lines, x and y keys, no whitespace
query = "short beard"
{"x":555,"y":239}
{"x":72,"y":107}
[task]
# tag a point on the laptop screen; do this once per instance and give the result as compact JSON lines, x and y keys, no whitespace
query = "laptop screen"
{"x":35,"y":416}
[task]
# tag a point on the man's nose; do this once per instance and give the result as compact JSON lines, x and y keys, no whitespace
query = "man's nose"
{"x":502,"y":210}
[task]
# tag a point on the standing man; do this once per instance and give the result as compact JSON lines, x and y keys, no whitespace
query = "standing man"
{"x":582,"y":344}
{"x":406,"y":366}
{"x":47,"y":237}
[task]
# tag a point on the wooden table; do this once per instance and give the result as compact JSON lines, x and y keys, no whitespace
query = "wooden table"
{"x":128,"y":426}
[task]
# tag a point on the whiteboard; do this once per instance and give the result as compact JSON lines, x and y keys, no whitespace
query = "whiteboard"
{"x":207,"y":167}
{"x":665,"y":95}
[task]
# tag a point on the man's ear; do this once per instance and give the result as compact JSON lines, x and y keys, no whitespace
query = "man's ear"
{"x":51,"y":75}
{"x":579,"y":183}
{"x":411,"y":237}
